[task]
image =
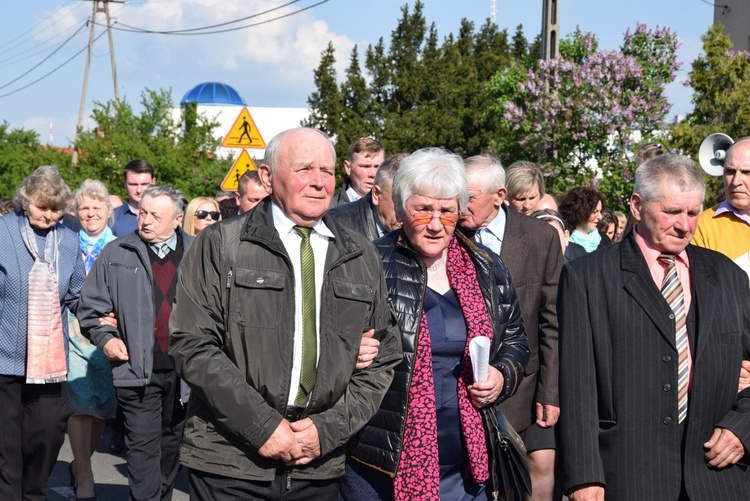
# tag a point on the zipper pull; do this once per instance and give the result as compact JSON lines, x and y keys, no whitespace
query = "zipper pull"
{"x":288,"y":480}
{"x":229,"y":278}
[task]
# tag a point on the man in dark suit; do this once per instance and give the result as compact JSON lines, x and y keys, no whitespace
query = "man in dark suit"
{"x":652,"y":334}
{"x":531,"y":250}
{"x":374,"y":214}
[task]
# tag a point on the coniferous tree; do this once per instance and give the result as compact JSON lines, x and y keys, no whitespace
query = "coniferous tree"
{"x":325,"y":103}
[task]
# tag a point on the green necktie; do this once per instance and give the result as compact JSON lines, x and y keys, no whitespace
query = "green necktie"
{"x":309,"y":337}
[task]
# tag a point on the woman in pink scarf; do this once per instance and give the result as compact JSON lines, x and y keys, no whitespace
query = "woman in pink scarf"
{"x":428,"y":441}
{"x":41,"y":273}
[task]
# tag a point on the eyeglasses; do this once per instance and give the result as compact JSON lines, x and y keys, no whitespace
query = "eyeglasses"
{"x":447,"y":218}
{"x":203,"y":214}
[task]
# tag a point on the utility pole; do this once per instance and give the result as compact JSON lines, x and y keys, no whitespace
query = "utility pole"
{"x":99,"y":6}
{"x":550,"y":29}
{"x":550,"y":45}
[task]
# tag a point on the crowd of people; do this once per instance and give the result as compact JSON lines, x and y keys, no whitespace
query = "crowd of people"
{"x":290,"y":342}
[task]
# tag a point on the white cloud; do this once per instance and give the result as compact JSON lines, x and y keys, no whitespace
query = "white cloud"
{"x":290,"y":45}
{"x":60,"y":23}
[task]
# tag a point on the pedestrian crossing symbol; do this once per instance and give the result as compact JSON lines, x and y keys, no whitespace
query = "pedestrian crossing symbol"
{"x":243,"y":164}
{"x":244,"y":133}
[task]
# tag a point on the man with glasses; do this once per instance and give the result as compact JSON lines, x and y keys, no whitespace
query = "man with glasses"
{"x":269,"y":315}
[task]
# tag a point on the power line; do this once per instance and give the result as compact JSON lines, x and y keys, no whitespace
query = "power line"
{"x":724,"y":7}
{"x":139,"y":30}
{"x":51,"y":72}
{"x":38,"y":49}
{"x":22,"y":35}
{"x":132,"y":29}
{"x":43,"y":60}
{"x":173,"y":32}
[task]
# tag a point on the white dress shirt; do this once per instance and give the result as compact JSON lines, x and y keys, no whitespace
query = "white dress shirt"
{"x":319,"y":242}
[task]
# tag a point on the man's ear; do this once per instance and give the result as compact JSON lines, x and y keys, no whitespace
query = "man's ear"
{"x":347,"y":168}
{"x":375,"y":193}
{"x":500,"y":197}
{"x":636,"y":206}
{"x":264,"y":172}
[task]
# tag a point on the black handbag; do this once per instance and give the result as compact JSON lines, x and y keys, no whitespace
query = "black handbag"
{"x":509,"y":471}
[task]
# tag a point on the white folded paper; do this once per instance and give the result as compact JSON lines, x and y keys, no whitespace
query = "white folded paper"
{"x":479,"y":351}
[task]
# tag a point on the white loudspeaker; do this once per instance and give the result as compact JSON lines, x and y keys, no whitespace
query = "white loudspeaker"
{"x":713,"y":153}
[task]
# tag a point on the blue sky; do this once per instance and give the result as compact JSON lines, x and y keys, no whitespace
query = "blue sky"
{"x":271,"y":64}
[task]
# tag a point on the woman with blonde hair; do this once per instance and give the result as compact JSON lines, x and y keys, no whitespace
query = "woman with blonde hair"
{"x":200,"y":212}
{"x":90,"y":378}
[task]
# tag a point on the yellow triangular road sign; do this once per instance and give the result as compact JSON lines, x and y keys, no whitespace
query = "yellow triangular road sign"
{"x":244,"y":133}
{"x":241,"y":165}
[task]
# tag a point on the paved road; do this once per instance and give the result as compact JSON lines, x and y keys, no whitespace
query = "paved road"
{"x":110,"y":473}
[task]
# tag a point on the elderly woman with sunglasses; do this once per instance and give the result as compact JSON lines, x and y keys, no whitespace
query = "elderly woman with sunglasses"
{"x":428,"y":440}
{"x":200,"y":213}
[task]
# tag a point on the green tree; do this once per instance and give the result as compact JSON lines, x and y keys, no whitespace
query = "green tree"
{"x":356,"y":119}
{"x":579,"y":115}
{"x":420,"y":90}
{"x":20,"y":154}
{"x":181,"y":156}
{"x":326,"y":104}
{"x":720,"y":79}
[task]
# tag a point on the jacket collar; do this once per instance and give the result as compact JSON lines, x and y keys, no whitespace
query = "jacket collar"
{"x":515,"y":229}
{"x":259,"y":227}
{"x":134,"y":243}
{"x":639,"y":284}
{"x":705,"y":291}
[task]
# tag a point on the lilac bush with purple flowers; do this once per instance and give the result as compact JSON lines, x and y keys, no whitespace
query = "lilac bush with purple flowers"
{"x":582,"y":114}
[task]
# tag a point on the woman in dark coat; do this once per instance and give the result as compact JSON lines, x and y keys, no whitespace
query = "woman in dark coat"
{"x":428,"y":441}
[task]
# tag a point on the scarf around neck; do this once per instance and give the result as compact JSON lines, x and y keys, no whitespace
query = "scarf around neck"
{"x":418,"y":475}
{"x":45,"y":343}
{"x":92,"y":246}
{"x":589,"y":241}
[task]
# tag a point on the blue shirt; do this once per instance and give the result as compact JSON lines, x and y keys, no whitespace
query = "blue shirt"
{"x":126,"y":221}
{"x":492,"y":235}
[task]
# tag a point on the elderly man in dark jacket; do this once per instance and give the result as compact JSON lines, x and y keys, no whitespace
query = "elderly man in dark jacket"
{"x":269,"y":345}
{"x":374,"y":214}
{"x":134,"y":278}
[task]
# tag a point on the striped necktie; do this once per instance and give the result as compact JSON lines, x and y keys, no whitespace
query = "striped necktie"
{"x":671,"y":289}
{"x":309,"y":336}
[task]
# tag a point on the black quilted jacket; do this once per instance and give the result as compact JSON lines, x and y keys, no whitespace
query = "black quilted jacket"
{"x":378,"y":444}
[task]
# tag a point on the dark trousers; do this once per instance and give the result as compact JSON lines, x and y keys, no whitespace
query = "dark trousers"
{"x":32,"y":430}
{"x":154,"y":418}
{"x":207,"y":487}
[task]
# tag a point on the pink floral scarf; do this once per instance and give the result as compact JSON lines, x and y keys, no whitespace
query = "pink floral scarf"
{"x":45,"y":342}
{"x":418,"y":475}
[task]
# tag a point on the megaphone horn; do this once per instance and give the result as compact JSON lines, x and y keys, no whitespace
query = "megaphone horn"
{"x":713,"y":153}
